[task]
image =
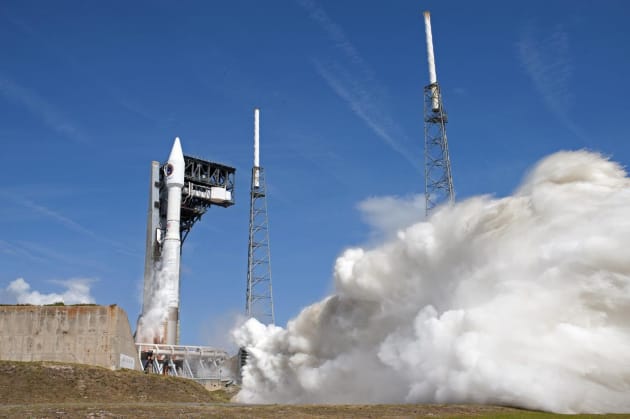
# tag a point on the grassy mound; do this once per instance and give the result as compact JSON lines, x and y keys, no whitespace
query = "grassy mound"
{"x":52,"y":382}
{"x":56,"y":390}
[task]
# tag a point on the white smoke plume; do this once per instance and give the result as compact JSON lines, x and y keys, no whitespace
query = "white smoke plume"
{"x":386,"y":215}
{"x":521,"y":301}
{"x":77,"y":291}
{"x":151,"y":325}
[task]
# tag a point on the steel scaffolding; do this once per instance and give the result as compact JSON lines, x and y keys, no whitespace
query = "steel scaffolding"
{"x":259,"y":297}
{"x":206,"y":184}
{"x":203,"y":364}
{"x":437,"y":164}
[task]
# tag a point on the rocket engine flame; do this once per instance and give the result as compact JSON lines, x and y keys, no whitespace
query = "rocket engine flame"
{"x":523,"y":301}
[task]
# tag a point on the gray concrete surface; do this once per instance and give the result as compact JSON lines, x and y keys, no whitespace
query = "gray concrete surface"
{"x":94,"y":335}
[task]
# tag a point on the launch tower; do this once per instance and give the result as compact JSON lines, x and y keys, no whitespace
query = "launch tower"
{"x":259,"y":298}
{"x":437,"y":164}
{"x":201,"y":185}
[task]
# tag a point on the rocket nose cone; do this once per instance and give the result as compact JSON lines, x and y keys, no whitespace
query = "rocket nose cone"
{"x":174,"y":168}
{"x":176,"y":151}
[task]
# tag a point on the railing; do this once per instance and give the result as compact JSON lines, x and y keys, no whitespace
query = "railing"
{"x":200,"y":363}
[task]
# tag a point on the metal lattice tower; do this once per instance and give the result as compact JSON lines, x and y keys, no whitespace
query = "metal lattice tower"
{"x":259,"y":297}
{"x":438,"y":180}
{"x":437,"y":164}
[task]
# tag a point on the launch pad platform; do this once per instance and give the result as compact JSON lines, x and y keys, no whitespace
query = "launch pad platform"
{"x":208,"y":366}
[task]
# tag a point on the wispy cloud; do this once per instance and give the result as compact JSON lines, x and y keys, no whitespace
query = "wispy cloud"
{"x":119,"y":95}
{"x":336,"y":34}
{"x":547,"y":61}
{"x":36,"y":252}
{"x":366,"y":107}
{"x":358,"y":87}
{"x":132,"y":105}
{"x":68,"y":223}
{"x":328,"y":163}
{"x":45,"y":111}
{"x":15,"y":250}
{"x":61,"y":219}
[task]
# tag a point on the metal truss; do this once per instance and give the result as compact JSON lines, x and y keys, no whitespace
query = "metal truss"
{"x":437,"y":169}
{"x":200,"y":363}
{"x":259,"y":297}
{"x":205,"y":184}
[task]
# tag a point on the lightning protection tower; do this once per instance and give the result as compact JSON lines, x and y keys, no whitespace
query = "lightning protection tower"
{"x":259,"y":298}
{"x":437,"y":164}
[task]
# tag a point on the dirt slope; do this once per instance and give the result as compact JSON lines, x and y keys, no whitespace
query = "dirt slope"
{"x":54,"y":390}
{"x":51,"y":382}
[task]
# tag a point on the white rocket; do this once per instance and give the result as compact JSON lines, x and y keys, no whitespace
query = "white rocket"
{"x":171,"y":247}
{"x":159,"y":320}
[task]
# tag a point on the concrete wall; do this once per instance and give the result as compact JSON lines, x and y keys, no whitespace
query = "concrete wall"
{"x":94,"y":335}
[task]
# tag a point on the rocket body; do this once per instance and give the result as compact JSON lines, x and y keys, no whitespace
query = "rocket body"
{"x":159,"y":320}
{"x":171,"y":248}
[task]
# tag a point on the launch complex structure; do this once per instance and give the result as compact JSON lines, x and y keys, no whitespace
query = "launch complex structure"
{"x":438,"y":179}
{"x":180,"y":193}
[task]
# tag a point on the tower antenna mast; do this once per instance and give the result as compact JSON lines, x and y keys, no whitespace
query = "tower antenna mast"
{"x":259,"y":297}
{"x":437,"y":164}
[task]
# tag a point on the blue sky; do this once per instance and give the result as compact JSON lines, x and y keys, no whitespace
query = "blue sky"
{"x":91,"y":92}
